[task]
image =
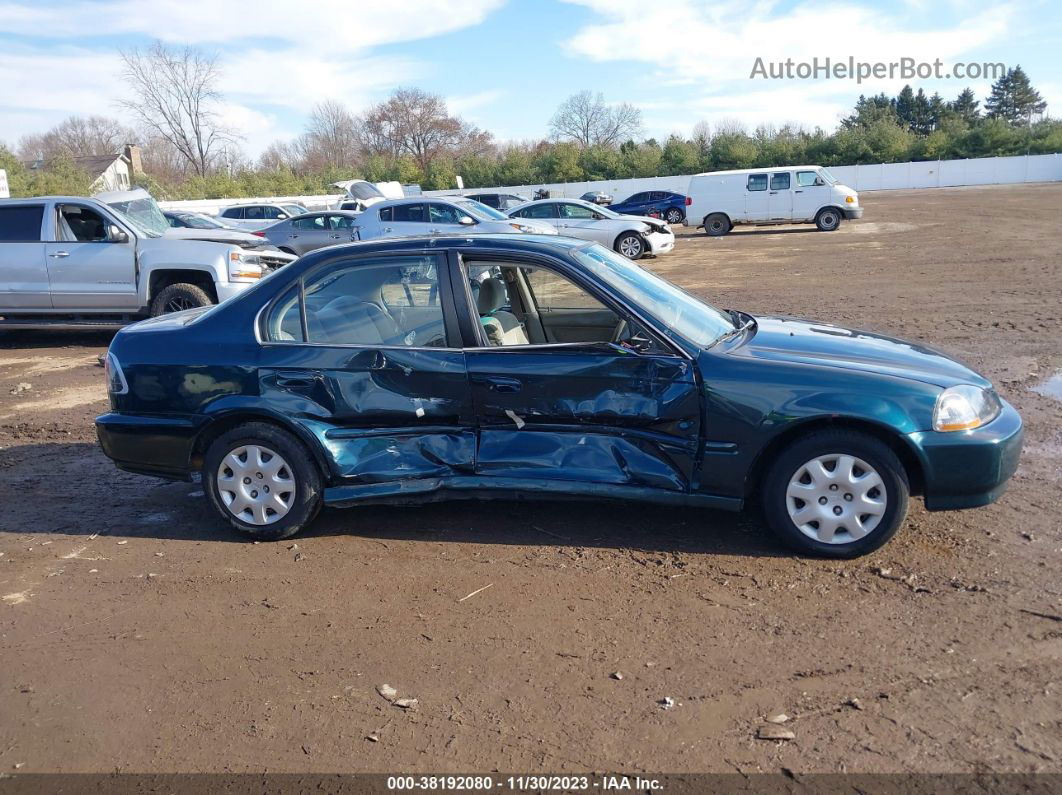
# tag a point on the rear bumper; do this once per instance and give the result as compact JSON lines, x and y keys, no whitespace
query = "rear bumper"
{"x":851,"y":213}
{"x":158,"y":446}
{"x":970,"y":468}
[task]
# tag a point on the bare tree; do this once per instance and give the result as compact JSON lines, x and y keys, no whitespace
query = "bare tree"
{"x":280,"y":155}
{"x":589,"y":121}
{"x":415,"y":123}
{"x":331,"y":138}
{"x":77,"y":136}
{"x":174,"y":94}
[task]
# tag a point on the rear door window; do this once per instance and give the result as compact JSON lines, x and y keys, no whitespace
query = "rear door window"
{"x":780,"y":181}
{"x":21,"y":223}
{"x":757,"y":182}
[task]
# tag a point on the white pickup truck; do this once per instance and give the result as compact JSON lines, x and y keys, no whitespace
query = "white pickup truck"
{"x":74,"y":261}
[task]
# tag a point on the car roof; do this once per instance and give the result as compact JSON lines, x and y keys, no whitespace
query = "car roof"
{"x":30,"y":199}
{"x":415,"y":200}
{"x":756,"y":170}
{"x":493,"y":241}
{"x":556,"y":200}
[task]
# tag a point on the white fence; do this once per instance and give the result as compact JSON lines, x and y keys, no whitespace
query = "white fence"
{"x":882,"y":176}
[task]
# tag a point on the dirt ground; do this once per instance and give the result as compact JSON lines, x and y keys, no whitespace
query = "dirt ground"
{"x":137,"y":633}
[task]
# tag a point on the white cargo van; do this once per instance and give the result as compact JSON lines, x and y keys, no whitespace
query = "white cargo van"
{"x":717,"y":200}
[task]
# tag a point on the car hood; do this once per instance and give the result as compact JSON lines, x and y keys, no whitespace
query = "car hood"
{"x":792,"y":340}
{"x":655,"y":224}
{"x":214,"y":235}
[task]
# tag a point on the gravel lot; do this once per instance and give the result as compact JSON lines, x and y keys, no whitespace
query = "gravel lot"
{"x":138,"y":633}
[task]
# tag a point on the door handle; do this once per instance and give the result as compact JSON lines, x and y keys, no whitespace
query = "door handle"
{"x":773,"y":192}
{"x":335,"y":237}
{"x":58,"y":254}
{"x":798,"y":191}
{"x":387,"y":229}
{"x":499,"y":384}
{"x":300,"y":378}
{"x":433,"y":231}
{"x":292,"y":237}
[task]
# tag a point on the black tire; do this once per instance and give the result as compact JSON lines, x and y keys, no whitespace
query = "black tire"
{"x":716,"y":225}
{"x":828,"y":219}
{"x":178,"y":297}
{"x":792,"y":459}
{"x":633,"y":243}
{"x":306,"y":501}
{"x":674,"y":216}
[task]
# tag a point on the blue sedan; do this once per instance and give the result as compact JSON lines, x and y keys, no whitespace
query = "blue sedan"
{"x":520,"y":365}
{"x":670,"y":205}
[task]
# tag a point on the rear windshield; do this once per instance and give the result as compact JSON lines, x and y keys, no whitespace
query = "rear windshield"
{"x":21,"y":223}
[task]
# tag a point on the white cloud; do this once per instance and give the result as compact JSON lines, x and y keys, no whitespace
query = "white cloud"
{"x":278,"y":59}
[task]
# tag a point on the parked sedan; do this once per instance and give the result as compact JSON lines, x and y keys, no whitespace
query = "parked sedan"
{"x":258,"y":216}
{"x":499,"y":201}
{"x":367,"y":373}
{"x":312,"y":231}
{"x":670,"y":205}
{"x":596,"y":197}
{"x":440,"y":216}
{"x":631,"y":236}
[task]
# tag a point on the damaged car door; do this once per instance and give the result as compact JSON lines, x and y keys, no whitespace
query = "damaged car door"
{"x":359,"y":353}
{"x":613,"y":404}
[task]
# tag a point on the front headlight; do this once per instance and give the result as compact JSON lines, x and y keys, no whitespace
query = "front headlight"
{"x":244,"y":267}
{"x":964,"y":407}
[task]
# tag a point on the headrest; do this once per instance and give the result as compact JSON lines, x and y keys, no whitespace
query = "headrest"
{"x":492,"y":295}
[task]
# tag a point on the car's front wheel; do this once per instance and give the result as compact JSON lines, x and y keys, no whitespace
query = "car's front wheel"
{"x":178,"y":297}
{"x":836,"y":493}
{"x":828,"y":220}
{"x":262,"y":480}
{"x":674,"y":216}
{"x":630,"y":245}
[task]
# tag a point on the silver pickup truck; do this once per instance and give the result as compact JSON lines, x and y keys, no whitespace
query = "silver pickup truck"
{"x":74,"y":261}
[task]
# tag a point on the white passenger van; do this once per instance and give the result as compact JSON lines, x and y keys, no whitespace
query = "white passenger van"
{"x":717,"y":200}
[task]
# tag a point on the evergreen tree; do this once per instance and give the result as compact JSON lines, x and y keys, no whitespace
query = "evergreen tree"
{"x":1013,"y":99}
{"x":966,"y":106}
{"x":905,"y":106}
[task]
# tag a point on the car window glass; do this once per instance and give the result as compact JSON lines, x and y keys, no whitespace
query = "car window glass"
{"x":386,"y":214}
{"x":315,"y":224}
{"x":340,"y":221}
{"x":271,"y":212}
{"x":806,"y":179}
{"x":444,"y":214}
{"x":576,"y":211}
{"x":553,"y":291}
{"x":233,"y":212}
{"x":254,"y":213}
{"x":657,"y":196}
{"x":408,"y":213}
{"x":757,"y":182}
{"x":393,"y":301}
{"x":284,"y":323}
{"x":539,"y":211}
{"x":780,"y":181}
{"x":81,"y":224}
{"x":22,"y":223}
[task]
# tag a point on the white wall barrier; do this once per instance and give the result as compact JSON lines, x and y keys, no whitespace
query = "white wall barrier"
{"x":881,"y":176}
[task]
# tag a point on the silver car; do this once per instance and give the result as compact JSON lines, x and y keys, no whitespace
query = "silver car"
{"x":311,"y":231}
{"x":631,"y":235}
{"x":453,"y":215}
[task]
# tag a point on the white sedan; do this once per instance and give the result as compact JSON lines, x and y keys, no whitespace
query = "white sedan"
{"x":440,"y":215}
{"x":631,"y":235}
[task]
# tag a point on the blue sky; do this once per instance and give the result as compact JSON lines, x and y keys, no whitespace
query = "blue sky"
{"x":506,"y":64}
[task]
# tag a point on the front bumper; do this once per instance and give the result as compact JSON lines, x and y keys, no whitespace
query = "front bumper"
{"x":660,"y":242}
{"x":967,"y":469}
{"x":228,"y":289}
{"x":851,"y":213}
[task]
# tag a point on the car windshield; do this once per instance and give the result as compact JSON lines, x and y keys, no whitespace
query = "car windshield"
{"x":605,"y":211}
{"x":827,"y":177}
{"x":200,"y":221}
{"x":294,"y":209}
{"x":144,"y":215}
{"x":679,"y":312}
{"x":481,"y":211}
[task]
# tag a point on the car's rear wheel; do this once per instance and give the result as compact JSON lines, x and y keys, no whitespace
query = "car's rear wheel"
{"x":716,"y":225}
{"x":178,"y":297}
{"x":262,"y":480}
{"x":836,"y":493}
{"x":630,"y":245}
{"x":828,"y":219}
{"x":674,"y":216}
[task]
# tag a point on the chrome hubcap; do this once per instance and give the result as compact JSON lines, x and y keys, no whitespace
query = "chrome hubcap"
{"x":256,"y":485}
{"x":630,"y":247}
{"x":836,"y":499}
{"x":674,"y":216}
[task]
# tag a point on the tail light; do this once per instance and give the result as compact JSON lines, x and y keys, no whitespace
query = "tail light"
{"x":258,"y":234}
{"x":689,"y":201}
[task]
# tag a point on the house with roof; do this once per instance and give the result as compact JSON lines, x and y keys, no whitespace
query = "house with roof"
{"x":108,"y":172}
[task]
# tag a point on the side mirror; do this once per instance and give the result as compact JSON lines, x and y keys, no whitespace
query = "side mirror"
{"x":819,"y":182}
{"x":465,"y":220}
{"x":116,"y":235}
{"x":282,"y":216}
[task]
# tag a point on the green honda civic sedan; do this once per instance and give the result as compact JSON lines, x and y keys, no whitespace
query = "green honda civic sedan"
{"x":419,"y":369}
